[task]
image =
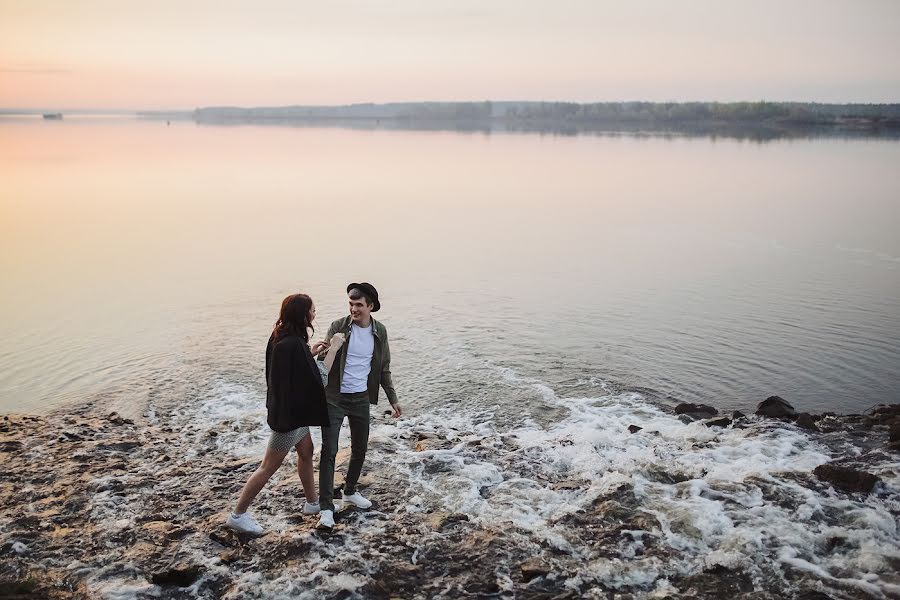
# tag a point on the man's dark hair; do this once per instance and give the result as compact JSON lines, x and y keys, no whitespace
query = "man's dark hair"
{"x":356,"y":294}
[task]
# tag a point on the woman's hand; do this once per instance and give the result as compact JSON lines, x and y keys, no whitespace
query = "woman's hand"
{"x":319,"y":347}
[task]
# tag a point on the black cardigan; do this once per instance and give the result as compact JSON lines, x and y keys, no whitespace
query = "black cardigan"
{"x":295,"y":395}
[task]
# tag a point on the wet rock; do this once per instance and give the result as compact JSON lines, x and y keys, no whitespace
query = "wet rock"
{"x":885,"y":413}
{"x":720,"y":422}
{"x":699,"y":411}
{"x":11,"y":446}
{"x":776,"y":407}
{"x":835,"y":542}
{"x":812,"y":595}
{"x":229,"y":556}
{"x":894,"y":431}
{"x":569,"y":484}
{"x":439,"y":520}
{"x":847,"y":479}
{"x":180,"y":574}
{"x":737,"y":415}
{"x":432,"y":444}
{"x":634,"y":428}
{"x":806,"y":421}
{"x":716,"y":582}
{"x":533,"y":567}
{"x":225,"y":537}
{"x":124,"y":446}
{"x":14,"y":589}
{"x":117,"y":419}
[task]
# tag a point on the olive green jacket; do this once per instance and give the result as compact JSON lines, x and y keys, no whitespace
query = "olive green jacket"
{"x":379,"y":374}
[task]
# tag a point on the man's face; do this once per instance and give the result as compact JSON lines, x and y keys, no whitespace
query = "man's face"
{"x":360,"y":310}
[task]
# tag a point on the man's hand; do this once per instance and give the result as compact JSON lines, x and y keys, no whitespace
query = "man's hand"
{"x":396,"y":410}
{"x":318,"y":347}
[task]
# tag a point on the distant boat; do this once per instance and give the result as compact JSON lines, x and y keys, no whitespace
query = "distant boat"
{"x":55,"y":116}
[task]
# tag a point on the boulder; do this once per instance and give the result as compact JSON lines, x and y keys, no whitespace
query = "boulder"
{"x":533,"y":567}
{"x":806,"y":421}
{"x":180,"y":574}
{"x":776,"y":407}
{"x":720,"y":422}
{"x":847,"y":479}
{"x":634,"y":428}
{"x":738,"y":415}
{"x":700,"y":411}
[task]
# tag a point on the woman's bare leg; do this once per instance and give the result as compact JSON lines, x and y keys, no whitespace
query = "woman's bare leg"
{"x":271,"y":461}
{"x":304,"y":450}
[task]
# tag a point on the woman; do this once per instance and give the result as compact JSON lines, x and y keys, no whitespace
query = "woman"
{"x":295,"y":399}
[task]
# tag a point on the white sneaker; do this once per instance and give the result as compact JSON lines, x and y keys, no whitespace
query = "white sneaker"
{"x":244,"y":523}
{"x":326,"y":520}
{"x":310,"y":508}
{"x":357,"y":500}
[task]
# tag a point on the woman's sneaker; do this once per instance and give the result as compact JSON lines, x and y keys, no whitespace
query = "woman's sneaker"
{"x":357,"y":500}
{"x":311,"y":508}
{"x":244,"y":523}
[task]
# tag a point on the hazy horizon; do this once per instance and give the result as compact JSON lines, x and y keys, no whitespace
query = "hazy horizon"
{"x":103,"y":55}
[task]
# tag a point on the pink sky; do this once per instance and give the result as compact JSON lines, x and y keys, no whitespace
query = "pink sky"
{"x":167,"y":54}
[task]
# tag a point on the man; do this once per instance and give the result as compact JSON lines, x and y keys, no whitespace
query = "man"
{"x":362,"y":365}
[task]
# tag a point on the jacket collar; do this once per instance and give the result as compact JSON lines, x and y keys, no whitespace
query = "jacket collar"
{"x":349,"y":321}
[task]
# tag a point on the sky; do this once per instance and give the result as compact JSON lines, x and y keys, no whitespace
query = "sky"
{"x":165,"y":54}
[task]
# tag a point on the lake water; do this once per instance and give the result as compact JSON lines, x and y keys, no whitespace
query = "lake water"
{"x":140,"y":258}
{"x":542,"y":293}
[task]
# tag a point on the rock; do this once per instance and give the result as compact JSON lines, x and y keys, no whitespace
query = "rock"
{"x":569,"y":484}
{"x":116,"y":419}
{"x":812,"y":595}
{"x":720,"y":422}
{"x":431,"y":444}
{"x":806,"y":421}
{"x":702,"y":411}
{"x":438,"y":520}
{"x":634,"y":428}
{"x":533,"y":567}
{"x":225,"y":537}
{"x":885,"y":413}
{"x":846,"y":478}
{"x":180,"y":574}
{"x":894,"y":431}
{"x":776,"y":407}
{"x":715,"y":582}
{"x":738,"y":415}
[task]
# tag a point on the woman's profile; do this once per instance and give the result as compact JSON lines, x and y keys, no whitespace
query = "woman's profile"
{"x":295,"y":400}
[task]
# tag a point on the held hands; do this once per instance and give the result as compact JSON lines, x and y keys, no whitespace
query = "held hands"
{"x":319,"y":347}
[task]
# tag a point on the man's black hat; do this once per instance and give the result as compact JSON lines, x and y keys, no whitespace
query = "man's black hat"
{"x":370,"y":292}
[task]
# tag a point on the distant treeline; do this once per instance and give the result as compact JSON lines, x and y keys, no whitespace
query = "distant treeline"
{"x":769,"y":113}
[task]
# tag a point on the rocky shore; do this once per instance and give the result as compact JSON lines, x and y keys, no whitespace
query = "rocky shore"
{"x":94,"y":505}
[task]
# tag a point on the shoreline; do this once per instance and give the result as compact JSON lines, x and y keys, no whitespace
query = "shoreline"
{"x":98,"y":505}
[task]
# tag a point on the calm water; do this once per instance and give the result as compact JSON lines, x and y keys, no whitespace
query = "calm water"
{"x":143,"y":264}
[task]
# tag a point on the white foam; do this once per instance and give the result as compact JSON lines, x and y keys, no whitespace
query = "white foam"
{"x":719,"y":515}
{"x":738,"y":503}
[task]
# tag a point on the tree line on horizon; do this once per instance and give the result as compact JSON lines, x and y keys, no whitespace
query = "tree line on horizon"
{"x":799,"y":113}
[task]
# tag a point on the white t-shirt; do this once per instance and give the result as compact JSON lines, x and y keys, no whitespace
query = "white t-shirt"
{"x":359,"y":360}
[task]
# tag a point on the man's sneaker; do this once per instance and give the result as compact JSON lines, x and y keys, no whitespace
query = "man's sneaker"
{"x":326,"y":520}
{"x":357,"y":500}
{"x":310,"y":508}
{"x":244,"y":523}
